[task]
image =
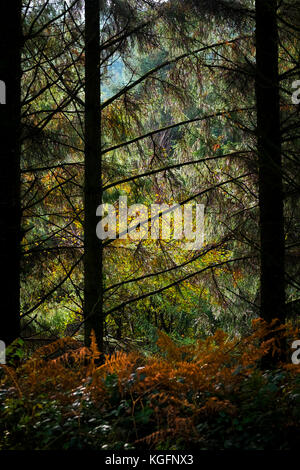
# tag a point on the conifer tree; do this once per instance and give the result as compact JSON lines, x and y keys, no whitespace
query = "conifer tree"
{"x":93,"y":305}
{"x":269,"y":162}
{"x":10,"y":216}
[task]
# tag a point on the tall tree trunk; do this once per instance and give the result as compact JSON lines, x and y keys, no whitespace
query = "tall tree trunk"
{"x":269,"y":158}
{"x":10,"y":214}
{"x":93,"y":291}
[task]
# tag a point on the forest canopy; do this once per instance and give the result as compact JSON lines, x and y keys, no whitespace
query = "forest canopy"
{"x":150,"y":224}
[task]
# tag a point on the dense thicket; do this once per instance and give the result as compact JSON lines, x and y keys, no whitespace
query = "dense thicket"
{"x":151,"y":102}
{"x":178,"y":125}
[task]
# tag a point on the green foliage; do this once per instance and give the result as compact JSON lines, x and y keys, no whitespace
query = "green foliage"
{"x":15,"y":352}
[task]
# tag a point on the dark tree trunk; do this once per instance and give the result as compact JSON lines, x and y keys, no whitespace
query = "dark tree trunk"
{"x":270,"y":168}
{"x":10,"y":214}
{"x":272,"y":287}
{"x":93,"y":305}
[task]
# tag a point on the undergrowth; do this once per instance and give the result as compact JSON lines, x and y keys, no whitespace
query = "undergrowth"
{"x":210,"y":396}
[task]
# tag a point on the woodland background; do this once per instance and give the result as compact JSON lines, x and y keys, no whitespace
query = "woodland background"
{"x":140,"y":343}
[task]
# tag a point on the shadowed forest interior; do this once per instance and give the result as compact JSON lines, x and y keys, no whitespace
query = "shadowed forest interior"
{"x":150,"y":222}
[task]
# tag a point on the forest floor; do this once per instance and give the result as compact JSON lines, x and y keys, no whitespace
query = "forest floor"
{"x":212,"y":395}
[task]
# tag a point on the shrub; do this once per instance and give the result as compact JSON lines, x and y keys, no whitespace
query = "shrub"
{"x":208,"y":396}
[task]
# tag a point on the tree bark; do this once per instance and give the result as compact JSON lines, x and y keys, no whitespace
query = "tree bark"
{"x":269,"y":158}
{"x":10,"y":214}
{"x":272,"y":285}
{"x":93,"y":291}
